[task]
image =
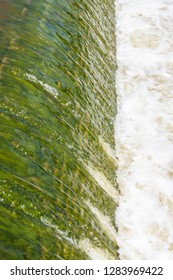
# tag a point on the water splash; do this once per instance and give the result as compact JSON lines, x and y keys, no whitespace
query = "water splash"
{"x":144,"y":129}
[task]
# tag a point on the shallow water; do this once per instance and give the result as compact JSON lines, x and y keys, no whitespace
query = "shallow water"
{"x":57,"y":83}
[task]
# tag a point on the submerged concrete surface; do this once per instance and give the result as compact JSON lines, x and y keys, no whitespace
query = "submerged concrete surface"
{"x":58,"y":103}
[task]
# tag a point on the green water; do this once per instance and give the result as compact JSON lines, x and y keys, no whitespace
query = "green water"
{"x":57,"y":85}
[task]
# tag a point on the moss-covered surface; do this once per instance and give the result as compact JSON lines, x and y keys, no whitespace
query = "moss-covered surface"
{"x":57,"y":98}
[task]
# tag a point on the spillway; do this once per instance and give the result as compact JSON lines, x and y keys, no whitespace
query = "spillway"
{"x":57,"y":81}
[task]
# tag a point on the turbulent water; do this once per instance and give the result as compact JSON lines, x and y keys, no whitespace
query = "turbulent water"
{"x":57,"y":83}
{"x":144,"y":128}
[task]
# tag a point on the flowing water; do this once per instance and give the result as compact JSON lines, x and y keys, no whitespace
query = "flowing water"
{"x":144,"y":128}
{"x":57,"y":83}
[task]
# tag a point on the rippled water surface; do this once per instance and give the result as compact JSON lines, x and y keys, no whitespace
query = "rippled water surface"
{"x":58,"y":191}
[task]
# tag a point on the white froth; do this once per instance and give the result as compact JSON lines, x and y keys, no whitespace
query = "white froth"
{"x":144,"y":128}
{"x":108,"y":150}
{"x":104,"y":221}
{"x":61,"y":235}
{"x":46,"y":87}
{"x":102,"y":181}
{"x":93,"y":252}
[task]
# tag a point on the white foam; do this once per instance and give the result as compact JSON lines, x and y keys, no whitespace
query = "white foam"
{"x":93,"y":252}
{"x":104,"y":221}
{"x":144,"y":128}
{"x":102,"y":181}
{"x":61,"y":235}
{"x":46,"y":87}
{"x":108,"y":150}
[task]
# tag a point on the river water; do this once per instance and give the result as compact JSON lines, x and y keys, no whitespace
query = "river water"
{"x":57,"y":80}
{"x":144,"y":129}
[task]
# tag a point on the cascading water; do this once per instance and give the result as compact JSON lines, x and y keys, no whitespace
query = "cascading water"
{"x":57,"y":82}
{"x":144,"y":128}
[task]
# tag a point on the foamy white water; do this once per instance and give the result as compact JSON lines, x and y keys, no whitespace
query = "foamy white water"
{"x":144,"y":128}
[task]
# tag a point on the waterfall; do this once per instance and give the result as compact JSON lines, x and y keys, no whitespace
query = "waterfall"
{"x":144,"y":128}
{"x":57,"y":80}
